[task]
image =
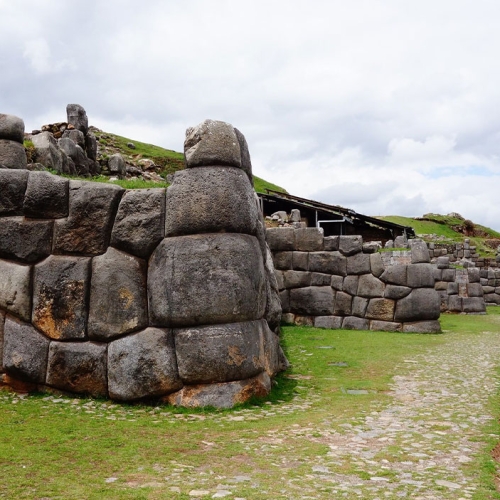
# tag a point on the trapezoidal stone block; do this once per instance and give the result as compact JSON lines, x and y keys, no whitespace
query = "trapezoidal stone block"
{"x":143,"y":365}
{"x":79,"y":367}
{"x":92,"y":208}
{"x":312,"y":300}
{"x":47,"y":196}
{"x":15,"y":289}
{"x":12,"y":188}
{"x":328,"y":263}
{"x":422,"y":304}
{"x":12,"y":154}
{"x":281,"y":239}
{"x":25,"y":351}
{"x":219,"y":353}
{"x":221,"y":395}
{"x":118,"y":300}
{"x":25,"y":240}
{"x":206,"y":279}
{"x":60,"y":291}
{"x":140,"y":222}
{"x":210,"y":200}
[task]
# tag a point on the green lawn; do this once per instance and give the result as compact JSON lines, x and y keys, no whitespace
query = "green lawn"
{"x":54,"y":447}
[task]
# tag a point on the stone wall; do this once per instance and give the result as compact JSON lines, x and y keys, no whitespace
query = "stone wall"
{"x":138,"y":294}
{"x":339,"y":282}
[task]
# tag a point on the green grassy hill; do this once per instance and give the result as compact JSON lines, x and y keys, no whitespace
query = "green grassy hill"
{"x":450,"y":228}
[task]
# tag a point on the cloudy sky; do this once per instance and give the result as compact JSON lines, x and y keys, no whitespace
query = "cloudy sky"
{"x":383,"y":106}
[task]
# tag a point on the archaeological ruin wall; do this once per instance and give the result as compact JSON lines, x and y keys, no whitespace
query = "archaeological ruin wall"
{"x":138,"y":294}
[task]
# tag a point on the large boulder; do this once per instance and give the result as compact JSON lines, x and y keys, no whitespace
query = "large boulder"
{"x":11,"y":128}
{"x":116,"y":165}
{"x":212,"y":143}
{"x":312,"y":300}
{"x":206,"y":279}
{"x":12,"y":188}
{"x":87,"y":230}
{"x":25,"y":351}
{"x":219,"y":353}
{"x":60,"y":291}
{"x":77,"y":117}
{"x":280,"y":238}
{"x":421,"y":304}
{"x":210,"y":200}
{"x":118,"y":302}
{"x":79,"y":367}
{"x":143,"y":365}
{"x":12,"y":154}
{"x":47,"y":196}
{"x":49,"y":154}
{"x":140,"y":222}
{"x":328,"y":263}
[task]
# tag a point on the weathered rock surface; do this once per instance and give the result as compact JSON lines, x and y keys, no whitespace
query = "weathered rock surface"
{"x":12,"y":154}
{"x":143,"y":365}
{"x":211,"y":200}
{"x":15,"y":289}
{"x":77,"y":116}
{"x":420,"y":305}
{"x":12,"y":188}
{"x":60,"y":291}
{"x":11,"y":128}
{"x":118,"y":302}
{"x":24,"y":351}
{"x":47,"y":196}
{"x":140,"y":222}
{"x":313,"y":300}
{"x":226,"y":280}
{"x":219,"y":353}
{"x":79,"y":367}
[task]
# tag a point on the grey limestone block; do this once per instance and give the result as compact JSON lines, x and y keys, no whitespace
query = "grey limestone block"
{"x":60,"y":291}
{"x":330,"y":322}
{"x":281,"y":239}
{"x":91,"y":146}
{"x":77,"y":154}
{"x":385,"y":326}
{"x":376,"y":264}
{"x":449,"y":274}
{"x":221,"y":395}
{"x":206,"y":279}
{"x":421,"y":304}
{"x":273,"y":357}
{"x":474,"y":290}
{"x":285,"y":301}
{"x":369,"y":286}
{"x":15,"y":289}
{"x":116,"y":165}
{"x":12,"y":188}
{"x":422,"y":327}
{"x":441,"y":285}
{"x":280,"y":279}
{"x":351,"y":284}
{"x":337,"y":282}
{"x":395,"y":275}
{"x":210,"y":200}
{"x":473,"y":274}
{"x":419,"y":252}
{"x":312,"y":301}
{"x":380,"y":309}
{"x":219,"y":353}
{"x":77,"y":136}
{"x":343,"y":304}
{"x":47,"y":196}
{"x":354,"y":323}
{"x":455,"y":303}
{"x":77,"y":116}
{"x":358,"y":264}
{"x":359,"y":305}
{"x":212,"y":142}
{"x":328,"y":263}
{"x":331,"y":243}
{"x":350,"y":245}
{"x":438,"y":274}
{"x":300,"y":261}
{"x":25,"y":240}
{"x":420,"y":275}
{"x":143,"y":365}
{"x":11,"y":128}
{"x":452,"y":288}
{"x":92,"y":208}
{"x":309,"y":239}
{"x":25,"y":351}
{"x":396,"y":292}
{"x":49,"y":154}
{"x":139,"y":224}
{"x":79,"y":367}
{"x":321,"y":279}
{"x":118,"y":300}
{"x":474,"y":305}
{"x":296,"y":279}
{"x":283,"y":260}
{"x":492,"y":298}
{"x":12,"y":154}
